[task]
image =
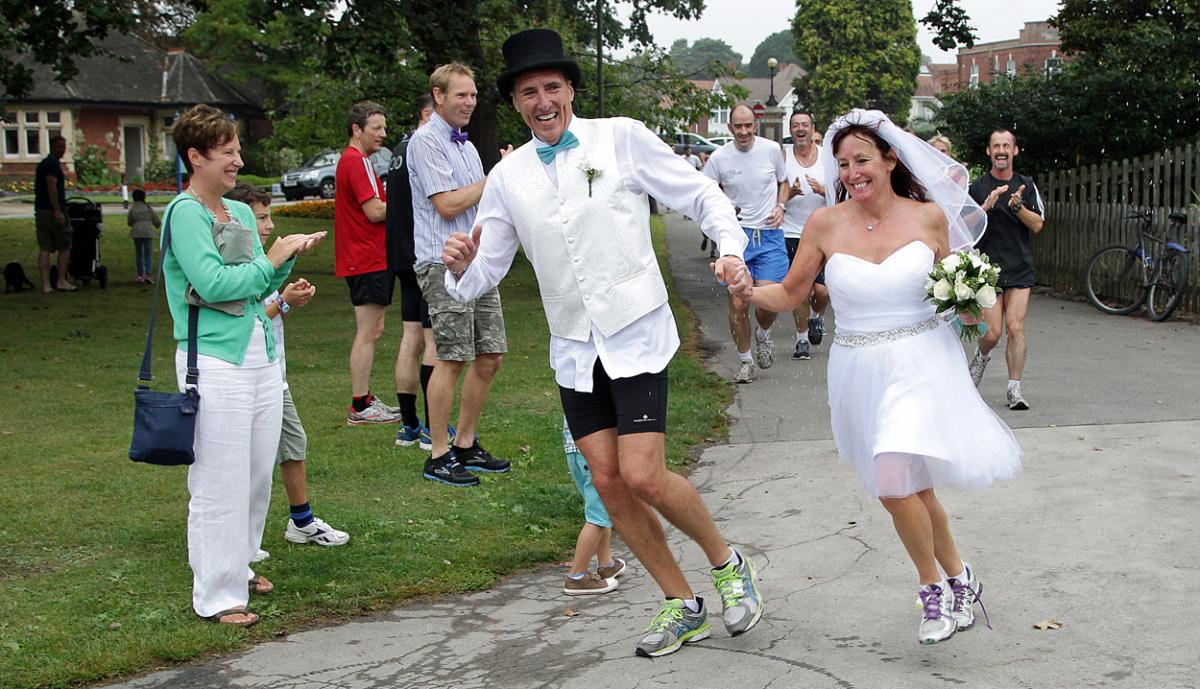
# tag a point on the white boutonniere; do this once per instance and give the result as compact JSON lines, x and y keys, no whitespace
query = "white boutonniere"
{"x":591,"y":172}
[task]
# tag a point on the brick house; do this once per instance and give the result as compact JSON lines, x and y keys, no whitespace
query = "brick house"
{"x":1037,"y":50}
{"x":124,"y":106}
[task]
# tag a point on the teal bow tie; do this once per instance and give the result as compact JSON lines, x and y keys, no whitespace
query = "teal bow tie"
{"x":566,"y":141}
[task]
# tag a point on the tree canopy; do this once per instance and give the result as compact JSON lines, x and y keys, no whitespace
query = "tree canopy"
{"x":1131,"y":89}
{"x":706,"y":58}
{"x":858,"y":55}
{"x":779,"y":45}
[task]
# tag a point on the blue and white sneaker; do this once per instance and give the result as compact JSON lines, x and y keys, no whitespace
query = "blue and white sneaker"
{"x":408,"y":436}
{"x":427,"y":438}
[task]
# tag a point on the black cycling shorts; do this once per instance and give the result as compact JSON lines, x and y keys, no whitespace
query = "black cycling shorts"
{"x":631,"y":405}
{"x":412,"y":303}
{"x":371,"y":288}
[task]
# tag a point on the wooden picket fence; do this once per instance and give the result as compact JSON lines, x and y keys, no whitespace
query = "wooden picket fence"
{"x":1086,"y":209}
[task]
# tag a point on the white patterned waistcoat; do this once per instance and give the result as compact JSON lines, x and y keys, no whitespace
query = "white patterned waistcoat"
{"x":592,"y":253}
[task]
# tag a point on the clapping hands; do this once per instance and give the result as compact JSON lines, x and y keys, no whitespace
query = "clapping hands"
{"x":299,"y":292}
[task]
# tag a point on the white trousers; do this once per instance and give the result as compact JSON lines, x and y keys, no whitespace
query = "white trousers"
{"x":237,"y":437}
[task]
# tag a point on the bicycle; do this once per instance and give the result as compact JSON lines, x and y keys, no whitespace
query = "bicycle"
{"x":1120,"y":278}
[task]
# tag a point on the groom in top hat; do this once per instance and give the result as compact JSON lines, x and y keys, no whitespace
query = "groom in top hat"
{"x":575,"y":197}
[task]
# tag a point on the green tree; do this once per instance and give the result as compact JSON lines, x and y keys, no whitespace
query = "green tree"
{"x":858,"y":55}
{"x":1131,"y":90}
{"x":55,"y":33}
{"x":707,"y":58}
{"x":780,"y":45}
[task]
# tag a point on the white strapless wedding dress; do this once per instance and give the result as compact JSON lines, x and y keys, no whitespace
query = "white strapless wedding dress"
{"x":904,"y":412}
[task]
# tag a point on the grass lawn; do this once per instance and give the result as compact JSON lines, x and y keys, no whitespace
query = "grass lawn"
{"x":94,"y":581}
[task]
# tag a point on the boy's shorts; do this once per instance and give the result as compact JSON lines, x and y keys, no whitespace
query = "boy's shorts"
{"x":293,"y":441}
{"x":766,"y":254}
{"x":593,"y":507}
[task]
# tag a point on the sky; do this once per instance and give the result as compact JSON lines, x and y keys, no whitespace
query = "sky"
{"x":728,"y":21}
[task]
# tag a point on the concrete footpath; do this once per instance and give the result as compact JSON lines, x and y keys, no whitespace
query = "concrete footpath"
{"x":1097,"y":533}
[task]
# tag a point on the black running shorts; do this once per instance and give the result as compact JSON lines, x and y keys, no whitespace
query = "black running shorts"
{"x":631,"y":405}
{"x":412,"y":303}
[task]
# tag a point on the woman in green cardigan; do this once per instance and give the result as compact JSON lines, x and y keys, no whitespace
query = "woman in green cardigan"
{"x":216,"y":261}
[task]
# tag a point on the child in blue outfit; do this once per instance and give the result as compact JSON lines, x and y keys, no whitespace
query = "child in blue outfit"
{"x":595,"y":538}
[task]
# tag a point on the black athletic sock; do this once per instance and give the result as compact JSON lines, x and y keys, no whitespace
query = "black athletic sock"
{"x":408,"y":409}
{"x":426,"y":374}
{"x":361,"y":403}
{"x":302,"y":515}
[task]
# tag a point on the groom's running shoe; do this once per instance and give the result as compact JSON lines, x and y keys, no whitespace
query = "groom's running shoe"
{"x":816,"y":329}
{"x":673,"y":627}
{"x":1016,"y":401}
{"x":742,"y":605}
{"x":475,"y":458}
{"x":446,"y":469}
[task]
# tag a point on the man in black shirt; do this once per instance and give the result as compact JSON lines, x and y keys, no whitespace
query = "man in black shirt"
{"x":416,"y":343}
{"x":1014,"y":210}
{"x":50,"y":215}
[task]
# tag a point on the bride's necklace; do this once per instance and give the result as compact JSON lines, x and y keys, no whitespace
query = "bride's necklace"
{"x":871,"y":225}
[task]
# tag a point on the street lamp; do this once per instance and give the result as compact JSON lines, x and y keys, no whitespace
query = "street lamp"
{"x":772,"y":65}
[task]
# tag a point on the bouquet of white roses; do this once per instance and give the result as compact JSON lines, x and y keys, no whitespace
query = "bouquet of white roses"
{"x":966,"y":282}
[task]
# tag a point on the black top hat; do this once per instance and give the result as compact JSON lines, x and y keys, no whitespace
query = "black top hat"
{"x":533,"y":49}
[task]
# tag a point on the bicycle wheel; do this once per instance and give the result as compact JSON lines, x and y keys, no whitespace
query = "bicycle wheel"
{"x":1114,"y":280}
{"x":1169,"y":286}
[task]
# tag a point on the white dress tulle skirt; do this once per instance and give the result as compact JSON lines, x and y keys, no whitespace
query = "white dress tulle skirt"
{"x":904,"y":411}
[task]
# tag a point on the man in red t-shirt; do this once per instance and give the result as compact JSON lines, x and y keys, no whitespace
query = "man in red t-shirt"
{"x":360,"y":254}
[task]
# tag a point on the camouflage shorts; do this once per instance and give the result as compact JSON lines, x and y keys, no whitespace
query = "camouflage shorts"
{"x":462,"y":331}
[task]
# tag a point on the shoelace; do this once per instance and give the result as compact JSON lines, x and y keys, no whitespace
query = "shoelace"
{"x":961,"y":602}
{"x":729,"y":586}
{"x":931,"y":601}
{"x":666,"y":619}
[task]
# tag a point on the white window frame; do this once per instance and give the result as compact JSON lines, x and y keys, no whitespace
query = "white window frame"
{"x":42,"y":126}
{"x":1010,"y":68}
{"x":974,"y":78}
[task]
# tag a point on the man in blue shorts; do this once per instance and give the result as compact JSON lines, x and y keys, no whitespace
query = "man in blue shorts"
{"x":751,"y":172}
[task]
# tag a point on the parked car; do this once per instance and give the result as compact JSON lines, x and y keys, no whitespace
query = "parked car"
{"x":698,"y":143}
{"x":720,"y":141}
{"x":316,"y":177}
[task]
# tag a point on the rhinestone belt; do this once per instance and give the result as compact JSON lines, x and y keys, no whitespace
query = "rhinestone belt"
{"x":852,"y":339}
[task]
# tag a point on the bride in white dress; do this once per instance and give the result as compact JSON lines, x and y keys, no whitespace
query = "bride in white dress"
{"x":904,"y":411}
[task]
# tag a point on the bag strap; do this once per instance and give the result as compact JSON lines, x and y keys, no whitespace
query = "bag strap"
{"x":193,"y":372}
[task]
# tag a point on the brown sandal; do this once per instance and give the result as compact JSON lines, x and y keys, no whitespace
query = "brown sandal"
{"x":260,"y":585}
{"x":250,"y":619}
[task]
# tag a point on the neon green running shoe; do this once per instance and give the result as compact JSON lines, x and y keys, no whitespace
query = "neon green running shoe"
{"x":673,"y":627}
{"x":741,"y":603}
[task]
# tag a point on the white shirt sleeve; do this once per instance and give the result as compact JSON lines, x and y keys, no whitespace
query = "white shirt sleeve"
{"x":648,"y":165}
{"x":498,"y":243}
{"x":780,"y":165}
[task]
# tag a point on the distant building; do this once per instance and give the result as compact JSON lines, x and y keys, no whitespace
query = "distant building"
{"x":126,"y":107}
{"x":717,"y":124}
{"x":1037,"y":50}
{"x":932,"y":81}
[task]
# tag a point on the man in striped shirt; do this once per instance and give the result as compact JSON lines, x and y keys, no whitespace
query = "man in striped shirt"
{"x":447,"y":181}
{"x":360,"y":254}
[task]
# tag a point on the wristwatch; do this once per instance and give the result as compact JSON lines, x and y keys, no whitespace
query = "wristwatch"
{"x":781,"y":207}
{"x":1017,"y":208}
{"x":284,"y":307}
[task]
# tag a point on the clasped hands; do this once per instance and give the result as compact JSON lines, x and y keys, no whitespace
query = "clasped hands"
{"x":460,"y":250}
{"x":732,"y":272}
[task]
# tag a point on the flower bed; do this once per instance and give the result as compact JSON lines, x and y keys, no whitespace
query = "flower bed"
{"x":307,"y":209}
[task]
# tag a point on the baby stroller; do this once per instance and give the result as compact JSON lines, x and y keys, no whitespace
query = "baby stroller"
{"x":87,"y":224}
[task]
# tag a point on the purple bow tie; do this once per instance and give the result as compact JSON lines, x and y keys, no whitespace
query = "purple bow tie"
{"x":458,"y":136}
